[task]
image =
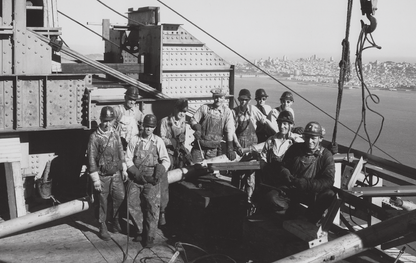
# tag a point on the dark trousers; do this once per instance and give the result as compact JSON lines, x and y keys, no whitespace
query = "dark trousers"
{"x":110,"y":186}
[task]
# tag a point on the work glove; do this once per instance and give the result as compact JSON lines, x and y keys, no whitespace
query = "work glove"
{"x":287,"y":177}
{"x":135,"y":174}
{"x":298,"y":130}
{"x":240,"y":151}
{"x":300,"y":183}
{"x":95,"y":178}
{"x":230,"y":151}
{"x":210,"y":144}
{"x":198,"y":131}
{"x":157,"y":174}
{"x":174,"y":143}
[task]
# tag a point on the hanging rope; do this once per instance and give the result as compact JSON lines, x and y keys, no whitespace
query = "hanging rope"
{"x":344,"y":74}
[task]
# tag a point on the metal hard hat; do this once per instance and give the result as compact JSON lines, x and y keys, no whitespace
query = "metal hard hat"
{"x":287,"y":96}
{"x":132,"y":92}
{"x":150,"y":120}
{"x":285,"y":116}
{"x":313,"y":128}
{"x":107,"y":114}
{"x":244,"y":94}
{"x":219,"y":92}
{"x":260,"y":93}
{"x":181,"y":105}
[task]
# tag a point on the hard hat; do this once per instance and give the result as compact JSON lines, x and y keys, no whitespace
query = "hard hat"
{"x":181,"y":105}
{"x":261,"y":93}
{"x":313,"y":128}
{"x":132,"y":92}
{"x":150,"y":120}
{"x":244,"y":94}
{"x":287,"y":96}
{"x":285,"y":116}
{"x":107,"y":114}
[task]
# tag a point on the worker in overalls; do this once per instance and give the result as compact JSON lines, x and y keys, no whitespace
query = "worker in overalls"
{"x":211,"y":123}
{"x":173,"y":132}
{"x":306,"y":176}
{"x":246,"y":118}
{"x":107,"y":169}
{"x":147,"y":161}
{"x":128,"y":116}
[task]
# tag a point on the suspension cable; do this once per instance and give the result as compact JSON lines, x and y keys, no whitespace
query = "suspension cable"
{"x":266,"y":73}
{"x":89,"y":29}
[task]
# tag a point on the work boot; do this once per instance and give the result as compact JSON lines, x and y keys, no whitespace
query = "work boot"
{"x":104,"y":235}
{"x":116,"y":226}
{"x":162,"y":219}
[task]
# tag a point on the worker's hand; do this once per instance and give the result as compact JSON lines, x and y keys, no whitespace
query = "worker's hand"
{"x":230,"y":151}
{"x":287,"y":176}
{"x":300,"y":183}
{"x":240,"y":151}
{"x":298,"y":130}
{"x":124,"y":175}
{"x":97,"y":185}
{"x":135,"y":174}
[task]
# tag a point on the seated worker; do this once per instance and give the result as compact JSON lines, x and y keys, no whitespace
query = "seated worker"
{"x":147,"y":161}
{"x":306,"y":176}
{"x":275,"y":147}
{"x":211,"y":123}
{"x":172,"y":132}
{"x":262,"y":132}
{"x":246,"y":118}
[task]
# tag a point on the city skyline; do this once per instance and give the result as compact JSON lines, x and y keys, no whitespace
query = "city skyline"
{"x":261,"y":29}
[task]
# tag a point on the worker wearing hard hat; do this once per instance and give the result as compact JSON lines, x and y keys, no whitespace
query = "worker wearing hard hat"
{"x":147,"y":161}
{"x":107,"y":169}
{"x":306,"y":176}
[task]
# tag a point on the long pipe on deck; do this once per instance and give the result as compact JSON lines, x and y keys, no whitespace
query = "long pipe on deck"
{"x":76,"y":206}
{"x":354,"y":243}
{"x":43,"y":216}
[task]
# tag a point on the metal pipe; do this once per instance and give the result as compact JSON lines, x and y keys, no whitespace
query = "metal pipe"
{"x":354,"y":243}
{"x":43,"y":216}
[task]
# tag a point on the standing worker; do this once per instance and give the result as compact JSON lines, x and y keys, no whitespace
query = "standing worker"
{"x":173,"y":132}
{"x":246,"y":118}
{"x":147,"y":161}
{"x":128,"y":116}
{"x":262,"y":131}
{"x":210,"y":122}
{"x":306,"y":176}
{"x":107,"y":169}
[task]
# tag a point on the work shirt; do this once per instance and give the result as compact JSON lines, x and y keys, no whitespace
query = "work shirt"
{"x":105,"y":152}
{"x":157,"y":141}
{"x":172,"y":128}
{"x":252,"y":113}
{"x":227,"y":119}
{"x":276,"y":146}
{"x":267,"y":109}
{"x":128,"y":121}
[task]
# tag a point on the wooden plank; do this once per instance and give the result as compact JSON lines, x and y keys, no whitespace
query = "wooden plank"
{"x":127,"y":68}
{"x":15,"y":191}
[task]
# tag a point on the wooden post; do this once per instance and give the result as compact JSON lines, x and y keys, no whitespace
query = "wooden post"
{"x":15,"y":192}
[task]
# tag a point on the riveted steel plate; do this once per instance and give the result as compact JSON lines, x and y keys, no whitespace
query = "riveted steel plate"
{"x":199,"y":84}
{"x":29,"y":103}
{"x":6,"y":103}
{"x":176,"y":34}
{"x":192,"y":58}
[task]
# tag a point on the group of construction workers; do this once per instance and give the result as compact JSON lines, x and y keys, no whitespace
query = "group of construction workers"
{"x":128,"y":161}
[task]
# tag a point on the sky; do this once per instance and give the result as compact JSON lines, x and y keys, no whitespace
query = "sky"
{"x":261,"y":28}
